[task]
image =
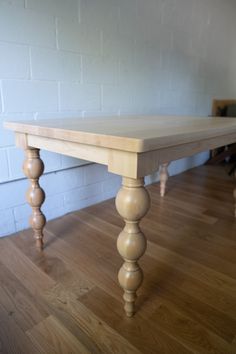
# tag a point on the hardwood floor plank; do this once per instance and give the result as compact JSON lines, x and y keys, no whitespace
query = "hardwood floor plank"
{"x":97,"y":266}
{"x":226,"y":229}
{"x":214,"y":320}
{"x":25,"y":309}
{"x":105,"y":337}
{"x":12,"y":339}
{"x":148,"y":338}
{"x":185,"y":244}
{"x":208,"y":276}
{"x":23,"y":269}
{"x":188,"y":332}
{"x":54,"y":338}
{"x":54,"y":264}
{"x":66,"y":299}
{"x":167,"y":277}
{"x":179,"y":213}
{"x":184,"y":264}
{"x":203,"y":233}
{"x":70,"y":323}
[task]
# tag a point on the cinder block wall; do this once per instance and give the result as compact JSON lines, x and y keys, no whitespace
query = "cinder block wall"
{"x":71,"y":58}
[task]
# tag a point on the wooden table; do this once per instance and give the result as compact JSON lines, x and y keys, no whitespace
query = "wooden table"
{"x":132,"y":147}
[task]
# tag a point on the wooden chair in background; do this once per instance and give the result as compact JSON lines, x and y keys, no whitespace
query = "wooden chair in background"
{"x":220,"y":108}
{"x":223,"y":108}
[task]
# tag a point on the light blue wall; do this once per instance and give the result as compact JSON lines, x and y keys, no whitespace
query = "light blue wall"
{"x":70,"y":58}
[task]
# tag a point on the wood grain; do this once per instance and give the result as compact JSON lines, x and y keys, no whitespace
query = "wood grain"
{"x":51,"y":335}
{"x":66,"y":298}
{"x":134,"y":134}
{"x":131,"y":147}
{"x":33,"y":168}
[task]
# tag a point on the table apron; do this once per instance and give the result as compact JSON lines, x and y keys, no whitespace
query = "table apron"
{"x":124,"y":163}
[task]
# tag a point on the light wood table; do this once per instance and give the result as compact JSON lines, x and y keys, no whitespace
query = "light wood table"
{"x":132,"y":147}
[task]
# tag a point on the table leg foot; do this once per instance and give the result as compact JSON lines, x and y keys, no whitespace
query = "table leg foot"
{"x":132,"y":203}
{"x":164,"y":175}
{"x":33,"y":168}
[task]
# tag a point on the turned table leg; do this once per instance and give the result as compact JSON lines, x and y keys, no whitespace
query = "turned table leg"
{"x":33,"y":168}
{"x":132,"y":203}
{"x":164,"y":175}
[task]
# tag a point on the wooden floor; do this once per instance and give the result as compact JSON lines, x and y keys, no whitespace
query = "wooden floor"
{"x":67,"y":300}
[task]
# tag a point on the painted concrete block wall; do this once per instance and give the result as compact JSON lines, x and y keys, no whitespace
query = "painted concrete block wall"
{"x":79,"y":58}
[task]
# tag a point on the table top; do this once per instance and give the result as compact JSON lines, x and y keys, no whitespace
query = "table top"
{"x":129,"y":133}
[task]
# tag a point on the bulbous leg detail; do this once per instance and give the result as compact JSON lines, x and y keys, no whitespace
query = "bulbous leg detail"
{"x":132,"y":203}
{"x":33,"y":168}
{"x":164,"y":175}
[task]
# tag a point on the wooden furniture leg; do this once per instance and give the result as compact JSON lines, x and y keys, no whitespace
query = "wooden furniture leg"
{"x":33,"y":168}
{"x":132,"y":203}
{"x":164,"y":175}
